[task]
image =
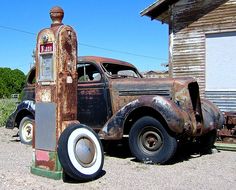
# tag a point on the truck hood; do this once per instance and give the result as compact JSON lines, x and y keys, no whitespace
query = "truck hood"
{"x":146,"y":86}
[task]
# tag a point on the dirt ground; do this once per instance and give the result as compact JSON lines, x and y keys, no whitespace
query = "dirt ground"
{"x":188,"y":170}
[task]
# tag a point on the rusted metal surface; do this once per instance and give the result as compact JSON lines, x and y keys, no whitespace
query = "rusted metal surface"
{"x":63,"y":90}
{"x":55,"y":91}
{"x":102,"y":60}
{"x":213,"y":117}
{"x":228,"y":133}
{"x":46,"y":160}
{"x":177,"y":101}
{"x":230,"y":118}
{"x":174,"y":116}
{"x":111,"y":104}
{"x":67,"y":93}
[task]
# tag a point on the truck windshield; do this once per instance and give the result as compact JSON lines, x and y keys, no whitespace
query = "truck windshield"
{"x":120,"y":71}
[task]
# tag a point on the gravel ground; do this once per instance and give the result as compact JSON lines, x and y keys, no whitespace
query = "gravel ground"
{"x":187,"y":171}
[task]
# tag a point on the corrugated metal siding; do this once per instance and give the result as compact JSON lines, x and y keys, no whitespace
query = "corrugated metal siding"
{"x":191,"y":21}
{"x":225,"y":100}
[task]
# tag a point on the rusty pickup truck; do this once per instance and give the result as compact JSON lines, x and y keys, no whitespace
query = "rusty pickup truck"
{"x":116,"y":101}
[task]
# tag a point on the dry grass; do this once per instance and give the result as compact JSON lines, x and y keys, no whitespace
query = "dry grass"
{"x":7,"y":106}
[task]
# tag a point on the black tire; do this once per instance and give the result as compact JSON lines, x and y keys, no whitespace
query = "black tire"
{"x":26,"y":130}
{"x":149,"y":141}
{"x":73,"y":144}
{"x":207,"y":141}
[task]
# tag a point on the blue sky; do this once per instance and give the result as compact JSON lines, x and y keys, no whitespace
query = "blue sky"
{"x":105,"y":24}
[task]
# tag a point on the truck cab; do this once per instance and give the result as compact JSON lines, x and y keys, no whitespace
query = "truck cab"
{"x":95,"y":74}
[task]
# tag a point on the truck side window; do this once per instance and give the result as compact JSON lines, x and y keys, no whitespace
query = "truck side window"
{"x":88,"y":72}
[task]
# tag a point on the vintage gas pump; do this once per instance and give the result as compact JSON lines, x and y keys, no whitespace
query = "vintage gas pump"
{"x":60,"y":142}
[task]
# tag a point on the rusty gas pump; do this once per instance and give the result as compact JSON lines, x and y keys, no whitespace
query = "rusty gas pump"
{"x":60,"y":142}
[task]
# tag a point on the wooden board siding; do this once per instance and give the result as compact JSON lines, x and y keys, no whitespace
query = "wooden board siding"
{"x":191,"y":20}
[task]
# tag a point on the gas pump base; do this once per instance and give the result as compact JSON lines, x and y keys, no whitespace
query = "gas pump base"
{"x":54,"y":169}
{"x":57,"y":175}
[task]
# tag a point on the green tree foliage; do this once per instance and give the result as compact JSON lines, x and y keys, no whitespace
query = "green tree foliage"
{"x":11,"y":82}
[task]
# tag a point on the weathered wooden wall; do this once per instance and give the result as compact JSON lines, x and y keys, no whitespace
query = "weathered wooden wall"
{"x":190,"y":22}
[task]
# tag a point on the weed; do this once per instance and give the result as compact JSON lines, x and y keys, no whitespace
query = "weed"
{"x":7,"y":106}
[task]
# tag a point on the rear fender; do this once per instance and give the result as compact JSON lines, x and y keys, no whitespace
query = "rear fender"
{"x":24,"y":108}
{"x":173,"y":116}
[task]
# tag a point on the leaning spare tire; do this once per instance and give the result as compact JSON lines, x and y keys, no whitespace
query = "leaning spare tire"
{"x":80,"y":152}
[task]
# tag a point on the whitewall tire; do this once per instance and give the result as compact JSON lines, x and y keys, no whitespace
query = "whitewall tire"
{"x":80,"y":152}
{"x":26,"y":130}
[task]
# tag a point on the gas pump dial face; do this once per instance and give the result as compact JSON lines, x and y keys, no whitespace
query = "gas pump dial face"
{"x":45,"y":38}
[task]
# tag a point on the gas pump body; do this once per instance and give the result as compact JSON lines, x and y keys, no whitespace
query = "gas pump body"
{"x":56,"y":94}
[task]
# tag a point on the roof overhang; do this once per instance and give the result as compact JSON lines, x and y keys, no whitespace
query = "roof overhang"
{"x":159,"y":10}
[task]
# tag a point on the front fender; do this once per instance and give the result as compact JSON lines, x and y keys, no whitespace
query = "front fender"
{"x":174,"y":116}
{"x":170,"y":112}
{"x":26,"y":105}
{"x":212,"y":116}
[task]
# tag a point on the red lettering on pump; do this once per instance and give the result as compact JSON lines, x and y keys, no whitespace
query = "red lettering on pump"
{"x":46,"y":48}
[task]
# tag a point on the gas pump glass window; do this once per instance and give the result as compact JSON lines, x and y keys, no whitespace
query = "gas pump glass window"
{"x":46,"y":68}
{"x":88,"y":72}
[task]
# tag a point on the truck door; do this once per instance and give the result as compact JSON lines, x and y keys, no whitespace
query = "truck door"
{"x":93,"y":96}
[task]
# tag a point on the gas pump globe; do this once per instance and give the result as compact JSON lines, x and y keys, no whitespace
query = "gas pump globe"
{"x":60,"y":142}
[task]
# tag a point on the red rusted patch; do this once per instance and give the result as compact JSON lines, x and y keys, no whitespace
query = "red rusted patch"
{"x":42,"y":155}
{"x":230,"y":118}
{"x":43,"y":160}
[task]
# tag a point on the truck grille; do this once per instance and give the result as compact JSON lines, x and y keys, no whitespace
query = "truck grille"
{"x":195,"y":99}
{"x":165,"y":93}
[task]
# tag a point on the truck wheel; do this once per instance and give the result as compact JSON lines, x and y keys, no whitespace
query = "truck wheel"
{"x":80,"y":152}
{"x":149,"y":142}
{"x":26,"y":130}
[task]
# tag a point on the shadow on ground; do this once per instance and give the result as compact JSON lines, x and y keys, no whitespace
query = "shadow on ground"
{"x":15,"y":138}
{"x":120,"y":149}
{"x":188,"y":151}
{"x":68,"y":179}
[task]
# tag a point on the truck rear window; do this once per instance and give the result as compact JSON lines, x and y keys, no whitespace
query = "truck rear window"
{"x":120,"y":70}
